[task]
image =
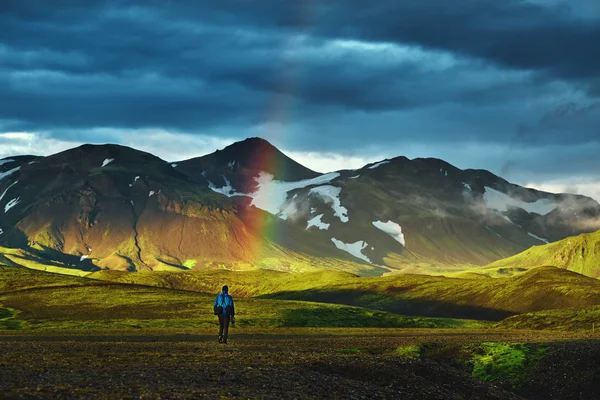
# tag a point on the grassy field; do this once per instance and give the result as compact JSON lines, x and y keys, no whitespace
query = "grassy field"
{"x":36,"y":300}
{"x":571,"y":319}
{"x":68,"y":337}
{"x":473,"y":297}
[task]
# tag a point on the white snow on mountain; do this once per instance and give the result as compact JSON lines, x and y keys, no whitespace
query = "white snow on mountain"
{"x":1,"y":231}
{"x":501,"y":202}
{"x":312,"y":210}
{"x":134,"y":181}
{"x":316,"y":222}
{"x":151,"y":193}
{"x":11,"y":204}
{"x":174,"y":165}
{"x":231,"y":164}
{"x":227,"y":190}
{"x":392,"y":229}
{"x":290,"y":209}
{"x":378,"y":164}
{"x":6,"y":191}
{"x":331,"y":194}
{"x":270,"y":195}
{"x":107,"y":161}
{"x":467,"y":186}
{"x":2,"y":162}
{"x":355,"y":177}
{"x":538,"y":238}
{"x":353,"y":248}
{"x":83,"y":258}
{"x":8,"y":173}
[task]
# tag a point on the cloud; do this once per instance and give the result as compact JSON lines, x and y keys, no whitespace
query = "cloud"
{"x":511,"y":86}
{"x":328,"y":162}
{"x":166,"y":145}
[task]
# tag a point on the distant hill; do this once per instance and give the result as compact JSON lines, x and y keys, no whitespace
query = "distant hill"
{"x":578,"y":253}
{"x":543,"y":288}
{"x":250,"y":206}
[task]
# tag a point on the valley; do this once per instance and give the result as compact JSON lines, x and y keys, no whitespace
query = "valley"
{"x":110,"y":259}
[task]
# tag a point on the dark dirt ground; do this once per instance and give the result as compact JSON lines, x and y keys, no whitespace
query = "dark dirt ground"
{"x":278,"y":364}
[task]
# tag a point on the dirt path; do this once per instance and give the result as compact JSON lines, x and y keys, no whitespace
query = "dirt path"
{"x":280,"y":364}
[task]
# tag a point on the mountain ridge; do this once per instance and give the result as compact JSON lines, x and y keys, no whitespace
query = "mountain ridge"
{"x":120,"y":208}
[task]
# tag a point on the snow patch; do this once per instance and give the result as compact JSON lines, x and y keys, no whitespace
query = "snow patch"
{"x":107,"y":161}
{"x":231,"y":164}
{"x":270,"y":195}
{"x":131,"y":201}
{"x":379,"y":164}
{"x":501,"y":202}
{"x":134,"y":181}
{"x":227,"y":190}
{"x":354,"y":177}
{"x":313,"y":210}
{"x":1,"y":231}
{"x":354,"y":249}
{"x":538,"y":238}
{"x":467,"y":186}
{"x":174,"y":165}
{"x":2,"y":162}
{"x":331,"y":194}
{"x":6,"y":191}
{"x":151,"y":193}
{"x":316,"y":222}
{"x":11,"y":204}
{"x":8,"y":173}
{"x":82,"y":258}
{"x":392,"y":229}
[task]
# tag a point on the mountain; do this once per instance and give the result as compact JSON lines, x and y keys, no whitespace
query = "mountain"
{"x":96,"y":207}
{"x":237,"y":165}
{"x":250,"y":206}
{"x":406,"y":214}
{"x":578,"y":253}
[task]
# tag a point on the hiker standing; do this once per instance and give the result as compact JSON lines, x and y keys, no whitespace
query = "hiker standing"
{"x":223,"y":307}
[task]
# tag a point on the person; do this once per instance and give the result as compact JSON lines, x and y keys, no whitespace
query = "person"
{"x":226,"y":313}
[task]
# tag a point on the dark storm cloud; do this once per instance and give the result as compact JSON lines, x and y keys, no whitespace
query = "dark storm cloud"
{"x":483,"y":70}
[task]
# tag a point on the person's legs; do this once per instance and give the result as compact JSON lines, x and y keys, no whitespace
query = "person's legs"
{"x":225,"y":328}
{"x":221,"y":327}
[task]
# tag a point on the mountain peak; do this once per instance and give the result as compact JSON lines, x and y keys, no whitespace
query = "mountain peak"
{"x":243,"y":161}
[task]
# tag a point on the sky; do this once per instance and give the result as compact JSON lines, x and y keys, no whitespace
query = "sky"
{"x":511,"y":86}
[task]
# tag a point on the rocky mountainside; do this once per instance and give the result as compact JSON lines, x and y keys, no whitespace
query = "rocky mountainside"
{"x":250,"y":206}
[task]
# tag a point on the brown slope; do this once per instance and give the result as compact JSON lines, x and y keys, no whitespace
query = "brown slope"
{"x":138,"y":213}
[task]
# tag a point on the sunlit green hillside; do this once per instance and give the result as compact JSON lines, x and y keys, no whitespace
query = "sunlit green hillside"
{"x":578,"y":253}
{"x":34,"y":299}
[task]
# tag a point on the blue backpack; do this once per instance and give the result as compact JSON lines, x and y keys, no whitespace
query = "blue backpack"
{"x":222,"y":303}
